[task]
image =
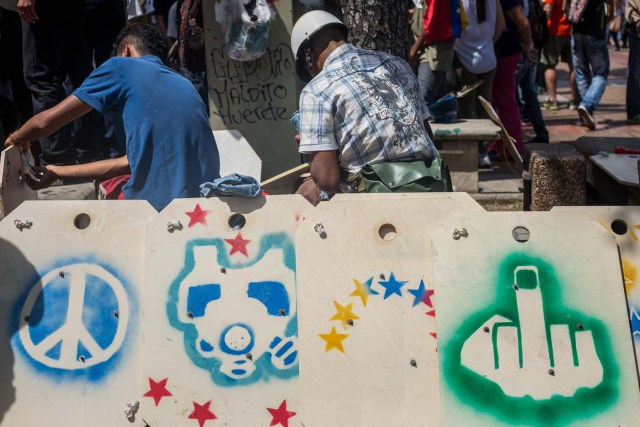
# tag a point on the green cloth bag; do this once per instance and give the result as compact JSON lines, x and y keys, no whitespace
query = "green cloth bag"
{"x":402,"y":177}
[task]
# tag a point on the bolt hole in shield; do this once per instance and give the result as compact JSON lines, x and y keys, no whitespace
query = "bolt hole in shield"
{"x":521,"y":234}
{"x":82,"y":221}
{"x":387,"y":232}
{"x":237,"y":221}
{"x":619,"y":227}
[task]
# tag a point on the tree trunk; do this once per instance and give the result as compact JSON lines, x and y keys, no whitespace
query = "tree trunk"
{"x":376,"y":24}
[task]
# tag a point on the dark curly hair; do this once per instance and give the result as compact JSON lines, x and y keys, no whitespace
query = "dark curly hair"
{"x":145,"y":38}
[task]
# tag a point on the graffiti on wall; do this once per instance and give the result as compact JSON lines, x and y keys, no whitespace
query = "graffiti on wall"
{"x":253,"y":91}
{"x":74,"y":320}
{"x":530,"y":357}
{"x":235,"y":301}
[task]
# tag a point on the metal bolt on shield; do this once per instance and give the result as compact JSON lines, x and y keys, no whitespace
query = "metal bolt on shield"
{"x":459,"y":232}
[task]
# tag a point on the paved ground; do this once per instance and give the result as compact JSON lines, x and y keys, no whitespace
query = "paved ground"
{"x":499,"y":187}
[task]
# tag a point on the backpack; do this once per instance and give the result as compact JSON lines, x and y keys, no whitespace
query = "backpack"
{"x":538,"y":23}
{"x":575,"y":10}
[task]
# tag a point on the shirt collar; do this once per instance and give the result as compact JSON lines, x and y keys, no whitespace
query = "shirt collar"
{"x":337,"y":52}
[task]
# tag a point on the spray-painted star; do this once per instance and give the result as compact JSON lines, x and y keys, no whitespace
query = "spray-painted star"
{"x":158,"y":390}
{"x":197,"y":216}
{"x":238,"y":244}
{"x":344,"y":313}
{"x":363,"y":290}
{"x":333,"y":340}
{"x":202,"y":413}
{"x":281,"y":415}
{"x":392,"y":286}
{"x":421,"y":294}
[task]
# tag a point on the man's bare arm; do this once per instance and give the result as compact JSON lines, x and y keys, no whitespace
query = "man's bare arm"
{"x":325,"y":171}
{"x":48,"y":121}
{"x":102,"y":169}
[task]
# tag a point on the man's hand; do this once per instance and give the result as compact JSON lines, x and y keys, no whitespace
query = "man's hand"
{"x":532,"y":55}
{"x":47,"y":177}
{"x":27,"y":10}
{"x":25,"y":145}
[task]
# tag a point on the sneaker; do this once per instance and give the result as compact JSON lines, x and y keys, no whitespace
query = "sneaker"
{"x":553,"y":106}
{"x":546,"y":103}
{"x":573,"y":106}
{"x":586,"y":117}
{"x":484,"y":162}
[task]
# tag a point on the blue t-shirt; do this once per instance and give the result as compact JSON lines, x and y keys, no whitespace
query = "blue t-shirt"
{"x":169,"y":144}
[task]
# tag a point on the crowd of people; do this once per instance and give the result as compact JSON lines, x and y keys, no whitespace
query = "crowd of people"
{"x":514,"y":47}
{"x":99,"y":74}
{"x":102,"y":113}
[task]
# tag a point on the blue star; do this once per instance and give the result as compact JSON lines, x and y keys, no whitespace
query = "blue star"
{"x":419,"y":293}
{"x":635,"y":324}
{"x":392,"y":286}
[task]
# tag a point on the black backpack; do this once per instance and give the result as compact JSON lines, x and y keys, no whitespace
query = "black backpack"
{"x":538,"y":23}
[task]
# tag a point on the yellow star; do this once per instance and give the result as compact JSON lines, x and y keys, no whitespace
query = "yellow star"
{"x":363,"y":290}
{"x":334,"y":340}
{"x":344,"y":313}
{"x":630,"y":274}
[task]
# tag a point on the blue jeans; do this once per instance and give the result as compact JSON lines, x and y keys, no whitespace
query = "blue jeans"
{"x":433,"y":84}
{"x":591,"y":64}
{"x":633,"y":76}
{"x":528,"y":92}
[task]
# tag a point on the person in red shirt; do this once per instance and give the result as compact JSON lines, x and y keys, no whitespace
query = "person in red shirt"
{"x":442,"y":24}
{"x":557,"y":49}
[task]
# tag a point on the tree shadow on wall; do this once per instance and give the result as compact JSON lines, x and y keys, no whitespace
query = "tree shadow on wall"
{"x":17,"y":275}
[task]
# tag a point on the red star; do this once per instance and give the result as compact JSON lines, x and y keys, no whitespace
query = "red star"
{"x":197,"y":216}
{"x":158,"y":390}
{"x":202,"y":413}
{"x":433,"y":334}
{"x":431,"y":313}
{"x":427,"y":297}
{"x":238,"y":244}
{"x":281,"y":415}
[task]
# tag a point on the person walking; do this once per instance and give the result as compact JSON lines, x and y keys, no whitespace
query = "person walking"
{"x":591,"y":56}
{"x":632,"y":16}
{"x":557,"y":49}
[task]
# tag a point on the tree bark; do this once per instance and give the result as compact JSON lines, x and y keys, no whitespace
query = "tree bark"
{"x":376,"y":24}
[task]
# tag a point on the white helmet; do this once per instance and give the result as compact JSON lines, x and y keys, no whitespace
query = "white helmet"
{"x":309,"y":24}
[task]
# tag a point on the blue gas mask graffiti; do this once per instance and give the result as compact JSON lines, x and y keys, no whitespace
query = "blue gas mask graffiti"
{"x":239,"y":323}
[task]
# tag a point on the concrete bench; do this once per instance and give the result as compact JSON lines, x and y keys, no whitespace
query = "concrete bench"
{"x":602,"y":187}
{"x":459,"y":147}
{"x":557,"y":176}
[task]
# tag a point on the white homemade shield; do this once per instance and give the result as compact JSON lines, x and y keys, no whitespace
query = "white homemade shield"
{"x":221,"y":328}
{"x":71,"y":283}
{"x":368,"y":352}
{"x":623,"y":222}
{"x":532,"y":324}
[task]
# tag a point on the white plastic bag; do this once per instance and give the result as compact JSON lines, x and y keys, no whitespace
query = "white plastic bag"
{"x":247,"y":29}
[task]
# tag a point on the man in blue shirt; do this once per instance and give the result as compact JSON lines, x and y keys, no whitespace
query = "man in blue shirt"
{"x":158,"y":114}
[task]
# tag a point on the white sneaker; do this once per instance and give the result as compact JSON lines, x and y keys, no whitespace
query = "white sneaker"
{"x":484,"y":161}
{"x":586,"y":117}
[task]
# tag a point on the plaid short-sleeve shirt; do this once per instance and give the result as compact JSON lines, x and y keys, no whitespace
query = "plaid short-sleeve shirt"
{"x":367,"y":106}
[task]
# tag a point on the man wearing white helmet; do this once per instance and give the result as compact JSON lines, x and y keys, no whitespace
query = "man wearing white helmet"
{"x":361,"y":112}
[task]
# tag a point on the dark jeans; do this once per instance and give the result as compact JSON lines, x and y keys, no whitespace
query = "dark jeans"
{"x":53,"y":48}
{"x":528,"y":92}
{"x":633,"y":76}
{"x":104,"y":20}
{"x":433,"y":83}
